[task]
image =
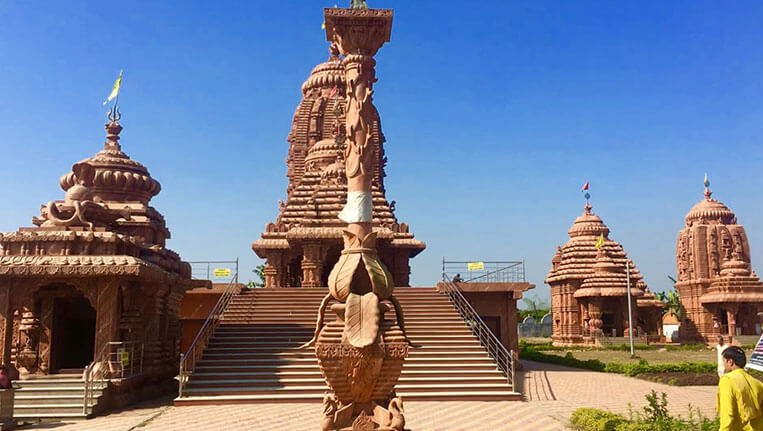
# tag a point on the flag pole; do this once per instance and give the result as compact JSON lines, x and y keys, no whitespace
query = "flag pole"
{"x":630,"y":312}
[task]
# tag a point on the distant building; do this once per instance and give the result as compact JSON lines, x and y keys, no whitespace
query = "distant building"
{"x":304,"y":243}
{"x":720,"y":294}
{"x":589,"y":287}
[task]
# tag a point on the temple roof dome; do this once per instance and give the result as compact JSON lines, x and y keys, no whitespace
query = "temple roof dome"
{"x":326,"y":75}
{"x":710,"y":211}
{"x":117,"y":177}
{"x":588,"y":224}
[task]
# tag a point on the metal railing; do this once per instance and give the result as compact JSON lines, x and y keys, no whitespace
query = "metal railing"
{"x":490,"y":272}
{"x":205,"y":269}
{"x":504,"y":358}
{"x":196,"y":349}
{"x":115,"y":360}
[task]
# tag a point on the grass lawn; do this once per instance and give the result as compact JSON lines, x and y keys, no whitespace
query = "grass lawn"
{"x":652,"y":356}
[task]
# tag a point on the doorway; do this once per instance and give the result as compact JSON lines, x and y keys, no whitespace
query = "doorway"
{"x":73,"y":334}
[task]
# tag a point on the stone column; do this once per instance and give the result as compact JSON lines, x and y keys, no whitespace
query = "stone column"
{"x":6,"y":321}
{"x":731,"y":314}
{"x":106,"y":313}
{"x":595,"y":324}
{"x":46,"y":333}
{"x":312,"y":266}
{"x":274,"y":272}
{"x":402,"y":269}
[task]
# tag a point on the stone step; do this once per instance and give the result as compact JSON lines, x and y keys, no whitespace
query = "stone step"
{"x":217,"y":399}
{"x":59,"y":410}
{"x":21,"y":399}
{"x":321,"y":388}
{"x":244,"y":381}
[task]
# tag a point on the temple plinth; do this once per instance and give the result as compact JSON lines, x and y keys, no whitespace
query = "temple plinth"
{"x":720,"y":293}
{"x":305,"y":242}
{"x":589,"y":287}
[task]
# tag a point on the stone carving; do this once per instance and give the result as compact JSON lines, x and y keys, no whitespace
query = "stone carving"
{"x":79,"y":207}
{"x":718,"y":289}
{"x":361,"y":353}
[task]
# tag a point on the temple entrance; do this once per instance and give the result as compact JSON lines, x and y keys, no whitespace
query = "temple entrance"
{"x":73,"y":334}
{"x":332,"y":257}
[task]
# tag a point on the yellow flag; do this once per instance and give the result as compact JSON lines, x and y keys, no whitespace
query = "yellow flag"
{"x":599,"y":242}
{"x":115,"y":91}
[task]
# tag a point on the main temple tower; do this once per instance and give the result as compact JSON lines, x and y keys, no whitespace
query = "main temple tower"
{"x":305,"y":241}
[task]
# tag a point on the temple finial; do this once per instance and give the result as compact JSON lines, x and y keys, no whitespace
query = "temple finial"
{"x":708,"y":193}
{"x":358,"y":4}
{"x":587,"y":197}
{"x":112,"y":130}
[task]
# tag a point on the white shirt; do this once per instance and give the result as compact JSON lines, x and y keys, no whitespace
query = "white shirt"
{"x":721,"y":368}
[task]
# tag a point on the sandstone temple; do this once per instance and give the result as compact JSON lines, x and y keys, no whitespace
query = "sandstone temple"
{"x":305,"y":241}
{"x":720,"y":293}
{"x":589,"y":287}
{"x":92,"y":290}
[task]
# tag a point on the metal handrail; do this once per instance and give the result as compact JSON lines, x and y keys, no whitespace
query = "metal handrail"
{"x":487,"y":274}
{"x":196,"y":349}
{"x":120,"y":359}
{"x":504,"y":358}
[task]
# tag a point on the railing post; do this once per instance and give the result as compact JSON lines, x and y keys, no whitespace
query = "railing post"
{"x":182,"y":373}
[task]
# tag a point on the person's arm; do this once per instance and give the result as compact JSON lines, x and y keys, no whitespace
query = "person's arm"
{"x":726,"y":404}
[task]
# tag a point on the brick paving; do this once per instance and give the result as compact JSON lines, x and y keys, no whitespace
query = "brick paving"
{"x":560,"y":390}
{"x":551,"y":394}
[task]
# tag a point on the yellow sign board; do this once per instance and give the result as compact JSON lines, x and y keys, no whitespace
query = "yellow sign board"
{"x":475,"y":266}
{"x":124,"y":357}
{"x":222,"y":272}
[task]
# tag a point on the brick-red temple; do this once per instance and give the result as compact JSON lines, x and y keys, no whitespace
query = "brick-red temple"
{"x":305,"y":242}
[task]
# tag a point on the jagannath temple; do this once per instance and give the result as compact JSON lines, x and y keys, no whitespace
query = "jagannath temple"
{"x":720,"y":293}
{"x":93,"y":284}
{"x":305,"y":241}
{"x":589,"y":283}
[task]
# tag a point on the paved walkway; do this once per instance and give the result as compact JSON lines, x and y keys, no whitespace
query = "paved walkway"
{"x":560,"y":390}
{"x":551,"y":392}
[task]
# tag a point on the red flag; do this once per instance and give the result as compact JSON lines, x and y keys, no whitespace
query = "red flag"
{"x":585,"y":186}
{"x":333,"y":92}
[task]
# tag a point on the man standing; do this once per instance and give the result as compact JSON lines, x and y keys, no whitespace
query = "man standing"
{"x":740,"y":396}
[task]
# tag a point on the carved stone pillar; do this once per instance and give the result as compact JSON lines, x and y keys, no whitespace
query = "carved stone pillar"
{"x":29,"y":331}
{"x":595,"y":323}
{"x":402,"y":269}
{"x":6,"y":322}
{"x":312,"y":265}
{"x":731,"y":314}
{"x":274,"y":273}
{"x":106,"y":313}
{"x":46,"y":333}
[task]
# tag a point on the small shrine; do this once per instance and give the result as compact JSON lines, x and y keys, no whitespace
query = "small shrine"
{"x":93,"y":280}
{"x":305,"y":242}
{"x":720,"y":293}
{"x":589,"y":287}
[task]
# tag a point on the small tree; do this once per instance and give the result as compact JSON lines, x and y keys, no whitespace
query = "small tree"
{"x":259,"y":270}
{"x":671,"y":300}
{"x":535,"y":308}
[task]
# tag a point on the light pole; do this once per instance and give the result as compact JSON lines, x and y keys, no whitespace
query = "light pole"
{"x":630,"y":312}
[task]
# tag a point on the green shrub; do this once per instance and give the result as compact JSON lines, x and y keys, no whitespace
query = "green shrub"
{"x":655,"y":417}
{"x":595,"y":420}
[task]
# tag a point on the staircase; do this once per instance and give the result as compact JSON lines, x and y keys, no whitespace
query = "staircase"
{"x":54,"y":396}
{"x":253,"y":356}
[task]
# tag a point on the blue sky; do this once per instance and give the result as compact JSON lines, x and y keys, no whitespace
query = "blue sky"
{"x":495,"y":114}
